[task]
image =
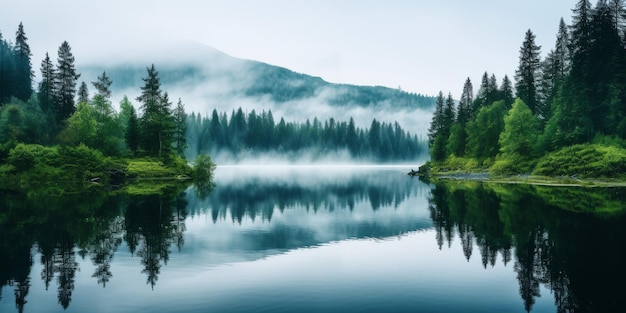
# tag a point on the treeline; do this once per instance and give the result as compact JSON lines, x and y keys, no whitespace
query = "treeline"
{"x":258,"y":132}
{"x":575,"y":95}
{"x":62,"y":112}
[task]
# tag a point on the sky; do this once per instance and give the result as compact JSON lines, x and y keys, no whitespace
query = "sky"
{"x":418,"y":46}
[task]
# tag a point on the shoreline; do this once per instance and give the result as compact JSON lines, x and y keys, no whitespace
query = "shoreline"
{"x":528,"y":179}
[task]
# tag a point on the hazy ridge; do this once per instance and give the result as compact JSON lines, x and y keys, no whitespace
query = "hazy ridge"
{"x":206,"y":79}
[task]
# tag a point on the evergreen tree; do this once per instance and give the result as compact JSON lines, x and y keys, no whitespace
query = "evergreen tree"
{"x":493,"y":91}
{"x":4,"y":50}
{"x":619,"y":15}
{"x":156,"y":122}
{"x":83,"y":93}
{"x":65,"y":83}
{"x":464,"y":113}
{"x":108,"y":130}
{"x":23,"y":80}
{"x":562,"y":51}
{"x":352,"y":138}
{"x":458,"y":135}
{"x":103,"y":85}
{"x":132,"y":130}
{"x":555,"y":68}
{"x":606,"y":71}
{"x":180,"y":128}
{"x":436,"y":137}
{"x":484,"y":131}
{"x":373,"y":137}
{"x":527,"y":74}
{"x":506,"y":91}
{"x":215,"y":129}
{"x":46,"y":86}
{"x":150,"y":100}
{"x":518,"y":140}
{"x":482,"y":98}
{"x":449,"y":115}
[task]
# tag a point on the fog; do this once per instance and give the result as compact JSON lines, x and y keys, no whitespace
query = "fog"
{"x":206,"y":79}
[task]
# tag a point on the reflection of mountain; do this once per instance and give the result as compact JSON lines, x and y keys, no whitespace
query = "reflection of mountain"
{"x":579,"y":257}
{"x":257,"y":214}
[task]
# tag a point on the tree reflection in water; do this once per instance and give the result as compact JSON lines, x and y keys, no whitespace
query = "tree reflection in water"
{"x":566,"y":240}
{"x":577,"y":256}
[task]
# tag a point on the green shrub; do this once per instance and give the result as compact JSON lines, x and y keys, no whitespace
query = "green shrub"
{"x":584,"y":160}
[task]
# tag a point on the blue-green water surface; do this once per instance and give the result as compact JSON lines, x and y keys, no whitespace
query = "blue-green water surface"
{"x":314,"y":239}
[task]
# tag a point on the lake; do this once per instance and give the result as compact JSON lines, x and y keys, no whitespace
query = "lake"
{"x":317,"y":239}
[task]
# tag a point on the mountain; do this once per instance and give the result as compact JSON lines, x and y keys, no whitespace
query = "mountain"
{"x":206,"y":78}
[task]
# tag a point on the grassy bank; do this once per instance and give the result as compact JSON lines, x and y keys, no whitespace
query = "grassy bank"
{"x":61,"y":170}
{"x":579,"y":165}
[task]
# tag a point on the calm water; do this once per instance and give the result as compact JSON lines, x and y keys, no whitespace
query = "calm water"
{"x":317,"y":240}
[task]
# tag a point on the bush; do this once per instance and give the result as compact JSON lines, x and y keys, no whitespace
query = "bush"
{"x":203,"y":168}
{"x":584,"y":160}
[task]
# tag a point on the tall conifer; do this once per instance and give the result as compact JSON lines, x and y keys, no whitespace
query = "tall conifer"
{"x":527,"y":73}
{"x":65,"y":82}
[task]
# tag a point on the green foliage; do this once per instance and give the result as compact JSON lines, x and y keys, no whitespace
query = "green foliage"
{"x":203,"y":168}
{"x":517,"y":141}
{"x":584,"y":160}
{"x":483,"y":133}
{"x":56,"y":169}
{"x":81,"y":127}
{"x":12,"y":123}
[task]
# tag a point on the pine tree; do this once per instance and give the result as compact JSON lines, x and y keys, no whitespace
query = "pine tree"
{"x":527,"y":74}
{"x":436,"y":133}
{"x":4,"y":48}
{"x":83,"y":93}
{"x":458,"y":134}
{"x":506,"y":91}
{"x":449,"y":115}
{"x":23,"y":80}
{"x":482,"y":98}
{"x":132,"y":130}
{"x":103,"y":85}
{"x":215,"y":129}
{"x":65,"y":83}
{"x":437,"y":120}
{"x":464,"y":113}
{"x":156,"y":122}
{"x":352,"y":138}
{"x":555,"y":69}
{"x":180,"y":128}
{"x":150,"y":100}
{"x":606,"y":71}
{"x":580,"y":34}
{"x":619,"y":15}
{"x":47,"y":90}
{"x":562,"y":51}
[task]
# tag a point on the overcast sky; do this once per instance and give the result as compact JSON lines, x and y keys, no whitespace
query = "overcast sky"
{"x":420,"y":46}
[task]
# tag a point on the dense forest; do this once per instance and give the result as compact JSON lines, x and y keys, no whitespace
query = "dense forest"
{"x":564,"y":115}
{"x":62,"y":112}
{"x":258,"y":132}
{"x":59,"y":133}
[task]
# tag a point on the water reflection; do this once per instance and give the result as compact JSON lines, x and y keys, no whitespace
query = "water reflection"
{"x":577,"y":256}
{"x":253,"y":215}
{"x":568,"y":241}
